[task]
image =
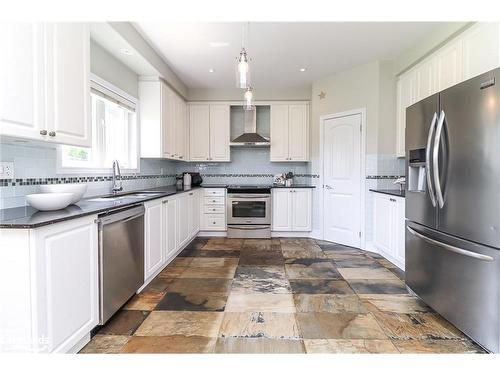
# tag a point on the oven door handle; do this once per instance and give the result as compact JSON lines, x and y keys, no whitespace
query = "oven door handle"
{"x":246,"y":196}
{"x":248,"y":227}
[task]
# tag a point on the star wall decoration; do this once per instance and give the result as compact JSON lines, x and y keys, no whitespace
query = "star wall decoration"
{"x":322,"y":95}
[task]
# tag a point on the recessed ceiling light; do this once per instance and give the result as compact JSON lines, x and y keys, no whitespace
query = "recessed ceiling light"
{"x":211,"y":70}
{"x":218,"y":44}
{"x":302,"y":69}
{"x":126,"y":51}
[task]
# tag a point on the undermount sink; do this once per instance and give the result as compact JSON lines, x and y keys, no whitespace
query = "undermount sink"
{"x":139,"y":194}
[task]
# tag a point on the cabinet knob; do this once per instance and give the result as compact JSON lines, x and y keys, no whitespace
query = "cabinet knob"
{"x":213,"y":222}
{"x":43,"y":132}
{"x":52,"y":134}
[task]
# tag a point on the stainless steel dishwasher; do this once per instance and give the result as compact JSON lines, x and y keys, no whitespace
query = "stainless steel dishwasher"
{"x":121,"y":258}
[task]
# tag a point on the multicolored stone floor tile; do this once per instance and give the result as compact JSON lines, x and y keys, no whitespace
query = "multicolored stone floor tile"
{"x":281,"y":295}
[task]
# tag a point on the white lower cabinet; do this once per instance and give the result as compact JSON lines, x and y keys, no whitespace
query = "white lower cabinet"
{"x":213,"y":209}
{"x":53,"y":301}
{"x":388,"y":227}
{"x":169,"y":224}
{"x":154,"y":254}
{"x":292,"y":209}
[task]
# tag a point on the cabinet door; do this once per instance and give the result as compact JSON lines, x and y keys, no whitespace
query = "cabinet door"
{"x":199,"y":135}
{"x":449,"y":65}
{"x":152,"y":116}
{"x":170,"y":227}
{"x":168,"y":121}
{"x":425,"y":79}
{"x":301,"y":210}
{"x":481,"y":49}
{"x":22,"y":85}
{"x":181,"y":128}
{"x":195,"y":213}
{"x":405,"y":98}
{"x":298,"y":132}
{"x":279,"y":132}
{"x":282,"y":209}
{"x":66,"y":279}
{"x":219,"y":132}
{"x":399,"y":229}
{"x":153,"y":237}
{"x":183,"y":220}
{"x":383,"y":223}
{"x":68,"y":85}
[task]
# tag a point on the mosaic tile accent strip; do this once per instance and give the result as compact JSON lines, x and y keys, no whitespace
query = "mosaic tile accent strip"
{"x":383,"y":177}
{"x":80,"y":179}
{"x":76,"y":179}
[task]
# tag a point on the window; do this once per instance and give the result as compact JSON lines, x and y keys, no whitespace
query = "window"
{"x":114,"y":133}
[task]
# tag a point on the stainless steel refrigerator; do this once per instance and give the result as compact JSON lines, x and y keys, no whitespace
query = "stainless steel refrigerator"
{"x":453,"y":205}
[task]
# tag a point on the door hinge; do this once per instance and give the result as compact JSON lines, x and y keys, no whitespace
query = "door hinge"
{"x":359,"y":233}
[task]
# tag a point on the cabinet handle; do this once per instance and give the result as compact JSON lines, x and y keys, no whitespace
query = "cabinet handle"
{"x":43,"y":132}
{"x":181,"y":157}
{"x":392,"y":199}
{"x":52,"y":134}
{"x":190,"y":193}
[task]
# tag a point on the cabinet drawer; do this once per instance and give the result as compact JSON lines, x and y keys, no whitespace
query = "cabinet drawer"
{"x":214,"y":221}
{"x":209,"y":209}
{"x":214,"y":200}
{"x":219,"y":192}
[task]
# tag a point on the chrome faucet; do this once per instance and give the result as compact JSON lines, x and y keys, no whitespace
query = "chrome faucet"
{"x":117,"y":183}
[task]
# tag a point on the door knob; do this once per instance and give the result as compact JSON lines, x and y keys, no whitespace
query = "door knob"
{"x":328,"y":187}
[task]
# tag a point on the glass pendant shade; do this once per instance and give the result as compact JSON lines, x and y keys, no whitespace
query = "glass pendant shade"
{"x":248,"y":99}
{"x":242,"y":70}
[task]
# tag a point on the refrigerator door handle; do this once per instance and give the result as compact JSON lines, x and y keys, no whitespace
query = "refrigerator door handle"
{"x":448,"y":247}
{"x":428,"y":161}
{"x":435,"y":159}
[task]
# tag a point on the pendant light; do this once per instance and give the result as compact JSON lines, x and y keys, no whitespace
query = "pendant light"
{"x":242,"y":67}
{"x":248,"y":106}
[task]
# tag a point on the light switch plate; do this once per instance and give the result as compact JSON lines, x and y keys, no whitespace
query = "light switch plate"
{"x":7,"y":169}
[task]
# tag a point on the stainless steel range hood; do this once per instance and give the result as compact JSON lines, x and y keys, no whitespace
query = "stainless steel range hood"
{"x":250,"y":137}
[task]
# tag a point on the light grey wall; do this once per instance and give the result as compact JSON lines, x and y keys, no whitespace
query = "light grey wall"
{"x":106,"y":66}
{"x":291,"y":93}
{"x":142,"y":46}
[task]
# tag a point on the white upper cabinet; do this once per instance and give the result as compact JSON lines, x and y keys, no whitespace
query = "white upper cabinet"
{"x":481,"y":49}
{"x":290,"y":132}
{"x":449,"y":65}
{"x":45,"y":91}
{"x":279,"y":132}
{"x":473,"y":52}
{"x":199,"y":130}
{"x":219,"y":132}
{"x":209,"y":126}
{"x":22,"y":111}
{"x":405,"y":98}
{"x":164,"y":125}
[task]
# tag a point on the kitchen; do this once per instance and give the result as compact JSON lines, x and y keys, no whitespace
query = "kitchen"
{"x":169,"y":189}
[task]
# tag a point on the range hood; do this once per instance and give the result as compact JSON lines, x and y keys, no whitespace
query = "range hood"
{"x":250,"y":137}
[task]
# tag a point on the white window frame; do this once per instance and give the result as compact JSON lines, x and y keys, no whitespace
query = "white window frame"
{"x":113,"y":91}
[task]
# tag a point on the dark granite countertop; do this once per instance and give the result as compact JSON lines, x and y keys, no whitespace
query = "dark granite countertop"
{"x":28,"y":217}
{"x":297,"y":186}
{"x":214,"y":186}
{"x":396,"y":193}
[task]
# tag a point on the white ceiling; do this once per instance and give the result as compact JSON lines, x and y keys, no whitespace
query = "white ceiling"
{"x":278,"y":50}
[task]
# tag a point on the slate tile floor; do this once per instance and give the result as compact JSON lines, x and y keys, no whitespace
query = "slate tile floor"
{"x":277,"y":296}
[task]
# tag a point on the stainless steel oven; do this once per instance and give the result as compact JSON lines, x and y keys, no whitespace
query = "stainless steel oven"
{"x":249,"y":211}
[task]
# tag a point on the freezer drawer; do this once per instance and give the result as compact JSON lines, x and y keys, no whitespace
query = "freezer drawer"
{"x":459,"y":279}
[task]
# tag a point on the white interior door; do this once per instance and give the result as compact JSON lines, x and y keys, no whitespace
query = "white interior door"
{"x":342,"y":173}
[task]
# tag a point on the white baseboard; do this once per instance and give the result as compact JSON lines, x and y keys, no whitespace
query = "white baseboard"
{"x":80,"y":344}
{"x":206,"y":233}
{"x":369,"y":246}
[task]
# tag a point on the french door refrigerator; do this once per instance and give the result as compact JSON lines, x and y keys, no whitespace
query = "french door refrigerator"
{"x":452,"y":232}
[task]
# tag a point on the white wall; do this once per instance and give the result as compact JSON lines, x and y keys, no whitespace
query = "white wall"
{"x":103,"y":64}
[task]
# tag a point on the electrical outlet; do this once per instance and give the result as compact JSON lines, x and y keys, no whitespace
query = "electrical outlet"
{"x":7,"y":169}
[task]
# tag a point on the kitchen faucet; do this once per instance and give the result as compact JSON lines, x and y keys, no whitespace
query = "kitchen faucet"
{"x":117,"y":183}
